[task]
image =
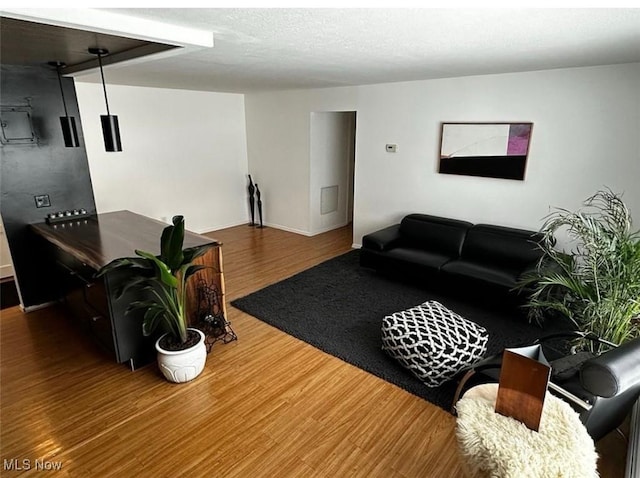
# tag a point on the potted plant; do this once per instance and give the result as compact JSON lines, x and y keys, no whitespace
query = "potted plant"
{"x":597,"y":284}
{"x":163,"y":279}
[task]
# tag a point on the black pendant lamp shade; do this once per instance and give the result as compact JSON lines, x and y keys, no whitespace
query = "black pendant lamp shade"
{"x":110,"y":127}
{"x":68,"y":123}
{"x":111,"y":132}
{"x":69,"y":131}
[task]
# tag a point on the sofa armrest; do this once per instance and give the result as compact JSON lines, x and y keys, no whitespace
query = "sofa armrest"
{"x":613,"y":372}
{"x":382,"y":240}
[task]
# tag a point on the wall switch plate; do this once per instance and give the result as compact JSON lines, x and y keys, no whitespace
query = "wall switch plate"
{"x":42,"y":200}
{"x":392,"y":148}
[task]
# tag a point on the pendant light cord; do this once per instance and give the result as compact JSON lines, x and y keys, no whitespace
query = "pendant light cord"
{"x":64,"y":103}
{"x":104,"y":87}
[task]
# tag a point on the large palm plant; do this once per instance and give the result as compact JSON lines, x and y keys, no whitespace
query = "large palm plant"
{"x":163,"y":278}
{"x":597,"y":284}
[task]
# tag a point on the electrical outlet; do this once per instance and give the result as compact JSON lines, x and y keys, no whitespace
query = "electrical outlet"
{"x":42,"y":200}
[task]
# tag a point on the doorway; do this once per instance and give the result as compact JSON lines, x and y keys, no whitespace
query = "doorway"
{"x":332,"y":169}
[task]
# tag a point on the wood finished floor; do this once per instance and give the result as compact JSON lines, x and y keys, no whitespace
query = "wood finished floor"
{"x":267,"y":405}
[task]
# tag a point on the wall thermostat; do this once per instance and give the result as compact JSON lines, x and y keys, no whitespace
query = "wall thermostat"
{"x":392,"y":148}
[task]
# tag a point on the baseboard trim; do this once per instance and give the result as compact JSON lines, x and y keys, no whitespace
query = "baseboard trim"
{"x":6,"y":272}
{"x":632,"y":469}
{"x":33,"y":308}
{"x":208,"y":230}
{"x":288,"y":229}
{"x":329,"y":228}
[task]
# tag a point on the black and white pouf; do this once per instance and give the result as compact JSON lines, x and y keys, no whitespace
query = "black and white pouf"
{"x":433,"y":342}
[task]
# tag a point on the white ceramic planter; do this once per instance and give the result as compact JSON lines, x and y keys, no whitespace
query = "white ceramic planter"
{"x":182,"y":365}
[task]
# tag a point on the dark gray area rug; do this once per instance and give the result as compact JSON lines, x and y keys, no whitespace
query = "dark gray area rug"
{"x":338,"y":307}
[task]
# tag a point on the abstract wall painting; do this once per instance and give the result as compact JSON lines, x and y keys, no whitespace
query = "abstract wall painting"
{"x":492,"y":150}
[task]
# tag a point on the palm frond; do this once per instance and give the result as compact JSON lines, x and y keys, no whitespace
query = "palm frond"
{"x":597,"y":284}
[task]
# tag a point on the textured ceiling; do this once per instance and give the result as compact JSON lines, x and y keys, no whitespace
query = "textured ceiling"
{"x":270,"y":49}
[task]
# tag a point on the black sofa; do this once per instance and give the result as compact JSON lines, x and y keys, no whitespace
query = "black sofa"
{"x":458,"y":251}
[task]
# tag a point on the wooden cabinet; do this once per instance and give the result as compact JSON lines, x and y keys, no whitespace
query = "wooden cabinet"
{"x":77,"y":250}
{"x":87,"y":299}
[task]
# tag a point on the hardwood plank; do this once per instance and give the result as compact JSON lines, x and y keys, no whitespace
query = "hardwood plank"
{"x":267,"y":405}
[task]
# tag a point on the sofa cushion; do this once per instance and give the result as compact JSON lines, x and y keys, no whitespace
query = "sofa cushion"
{"x":501,"y":247}
{"x":433,"y":233}
{"x":433,"y":342}
{"x":418,"y":257}
{"x":501,"y":276}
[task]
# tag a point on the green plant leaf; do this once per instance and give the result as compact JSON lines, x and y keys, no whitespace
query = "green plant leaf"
{"x":152,"y":319}
{"x":161,"y":280}
{"x":163,"y":271}
{"x":171,"y":244}
{"x":597,"y":283}
{"x":139,"y":304}
{"x":125,"y":263}
{"x":136,"y":282}
{"x":193,"y":253}
{"x":192,"y":269}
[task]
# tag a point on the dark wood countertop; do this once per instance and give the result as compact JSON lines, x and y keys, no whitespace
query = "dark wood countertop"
{"x":100,"y":239}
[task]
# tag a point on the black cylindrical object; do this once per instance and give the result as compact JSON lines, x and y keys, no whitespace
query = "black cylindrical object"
{"x":69,"y":131}
{"x":111,"y":133}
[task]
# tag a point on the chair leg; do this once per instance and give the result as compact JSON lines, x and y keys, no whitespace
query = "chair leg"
{"x":461,"y":384}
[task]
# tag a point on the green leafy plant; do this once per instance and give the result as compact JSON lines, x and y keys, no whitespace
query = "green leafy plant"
{"x":163,"y":279}
{"x":597,"y":284}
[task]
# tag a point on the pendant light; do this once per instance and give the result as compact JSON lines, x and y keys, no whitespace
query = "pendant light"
{"x":68,"y":123}
{"x":110,"y":128}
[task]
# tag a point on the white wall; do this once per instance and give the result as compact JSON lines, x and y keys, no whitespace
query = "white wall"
{"x":331,"y":150}
{"x":278,"y":145}
{"x":586,"y":135}
{"x":6,"y":264}
{"x":184,"y":152}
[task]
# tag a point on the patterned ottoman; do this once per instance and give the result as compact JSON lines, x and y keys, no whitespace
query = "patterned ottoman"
{"x":433,"y":342}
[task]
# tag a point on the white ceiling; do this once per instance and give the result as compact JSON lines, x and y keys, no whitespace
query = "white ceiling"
{"x":270,"y":49}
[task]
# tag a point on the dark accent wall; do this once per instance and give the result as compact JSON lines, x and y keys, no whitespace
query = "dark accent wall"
{"x":48,"y":167}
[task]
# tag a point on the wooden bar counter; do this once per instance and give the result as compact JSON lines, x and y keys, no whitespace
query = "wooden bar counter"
{"x":78,"y":249}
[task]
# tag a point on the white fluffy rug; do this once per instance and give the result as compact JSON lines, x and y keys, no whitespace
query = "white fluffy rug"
{"x":493,"y":445}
